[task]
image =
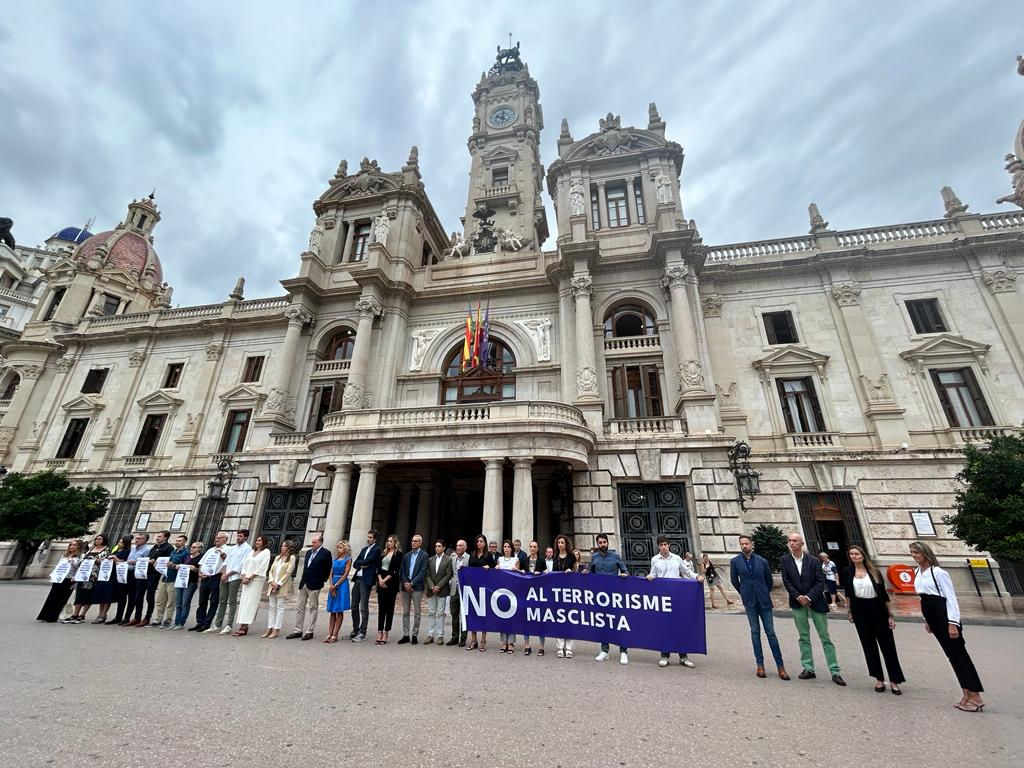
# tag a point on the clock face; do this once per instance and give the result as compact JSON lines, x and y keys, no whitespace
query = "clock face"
{"x":501,"y":117}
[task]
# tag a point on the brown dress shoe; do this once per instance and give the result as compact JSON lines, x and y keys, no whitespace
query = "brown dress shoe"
{"x":760,"y":672}
{"x":783,"y":675}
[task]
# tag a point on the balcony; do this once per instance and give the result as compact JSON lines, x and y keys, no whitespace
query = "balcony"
{"x":57,"y":465}
{"x":331,"y":369}
{"x":658,"y":425}
{"x":290,"y":440}
{"x":500,"y":193}
{"x":632,"y":346}
{"x":814,"y":440}
{"x":978,"y":434}
{"x":136,"y":462}
{"x":539,"y":429}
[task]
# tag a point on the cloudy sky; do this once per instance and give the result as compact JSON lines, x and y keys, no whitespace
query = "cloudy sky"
{"x":239,"y":112}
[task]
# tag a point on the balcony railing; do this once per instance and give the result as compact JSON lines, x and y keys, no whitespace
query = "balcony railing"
{"x":289,"y":439}
{"x":57,"y":465}
{"x":4,"y":405}
{"x":136,"y":462}
{"x":631,"y":345}
{"x":659,"y":425}
{"x":506,"y":410}
{"x":501,"y":190}
{"x":978,"y":434}
{"x":897,"y":232}
{"x":331,"y":367}
{"x":814,"y":439}
{"x":1009,"y":220}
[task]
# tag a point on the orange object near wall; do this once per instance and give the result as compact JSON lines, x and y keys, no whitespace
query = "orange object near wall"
{"x":901,"y":577}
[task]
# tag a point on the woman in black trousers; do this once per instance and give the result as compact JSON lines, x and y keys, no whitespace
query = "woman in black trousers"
{"x":60,"y":591}
{"x":942,"y":619}
{"x":387,"y":588}
{"x":479,"y":557}
{"x":869,"y":608}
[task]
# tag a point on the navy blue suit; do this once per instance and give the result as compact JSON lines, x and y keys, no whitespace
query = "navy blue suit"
{"x":753,"y":580}
{"x":368,"y":561}
{"x":317,"y":570}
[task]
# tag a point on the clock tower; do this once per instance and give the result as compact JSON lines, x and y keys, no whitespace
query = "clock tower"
{"x":506,"y":173}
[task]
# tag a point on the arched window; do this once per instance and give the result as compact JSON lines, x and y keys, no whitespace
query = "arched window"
{"x":628,"y":320}
{"x":493,"y":380}
{"x":341,"y":345}
{"x":10,"y":380}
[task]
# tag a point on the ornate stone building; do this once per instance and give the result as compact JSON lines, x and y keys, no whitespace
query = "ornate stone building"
{"x":625,"y":359}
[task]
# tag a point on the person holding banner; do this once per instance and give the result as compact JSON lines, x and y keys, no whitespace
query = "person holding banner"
{"x":536,"y":565}
{"x":480,"y":557}
{"x":751,"y":576}
{"x":254,"y":575}
{"x":607,"y":561}
{"x":165,"y":594}
{"x":231,"y":581}
{"x":135,"y":591}
{"x":387,"y":587}
{"x":210,"y":569}
{"x":159,"y":554}
{"x":85,"y":579}
{"x":186,"y":582}
{"x":460,"y":559}
{"x":117,"y":594}
{"x":668,"y":565}
{"x":507,"y":561}
{"x":61,"y":583}
{"x":563,"y":561}
{"x":279,"y":587}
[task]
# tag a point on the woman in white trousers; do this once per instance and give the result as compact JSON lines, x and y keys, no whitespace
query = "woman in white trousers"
{"x":279,"y":587}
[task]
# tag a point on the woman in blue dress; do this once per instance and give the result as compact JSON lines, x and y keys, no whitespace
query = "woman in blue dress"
{"x":339,"y":598}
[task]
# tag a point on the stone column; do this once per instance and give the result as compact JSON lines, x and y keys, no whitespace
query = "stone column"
{"x":337,"y":506}
{"x":356,"y":393}
{"x":423,"y":508}
{"x":522,"y":500}
{"x":566,"y":331}
{"x":586,"y":373}
{"x":362,"y":511}
{"x":631,"y":202}
{"x":602,"y":205}
{"x":695,"y":403}
{"x":29,"y":374}
{"x":403,"y":522}
{"x":346,"y":250}
{"x":279,"y":400}
{"x":493,"y":521}
{"x":544,"y":535}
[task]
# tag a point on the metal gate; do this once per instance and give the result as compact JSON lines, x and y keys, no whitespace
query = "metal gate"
{"x":647,"y":512}
{"x":285,"y":516}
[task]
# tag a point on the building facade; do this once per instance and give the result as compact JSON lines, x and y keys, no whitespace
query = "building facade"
{"x":624,"y":360}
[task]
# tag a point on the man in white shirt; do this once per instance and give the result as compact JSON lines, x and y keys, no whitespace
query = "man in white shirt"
{"x":460,"y":559}
{"x":231,"y":582}
{"x":439,"y":576}
{"x":210,"y":569}
{"x":414,"y":572}
{"x":668,"y":565}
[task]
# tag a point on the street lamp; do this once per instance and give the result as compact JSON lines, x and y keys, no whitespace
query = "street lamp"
{"x":220,"y":485}
{"x":748,"y":481}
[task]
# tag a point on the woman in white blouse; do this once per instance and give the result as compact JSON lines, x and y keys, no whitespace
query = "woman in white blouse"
{"x":507,"y":561}
{"x":254,"y":575}
{"x":869,"y":608}
{"x":279,"y":586}
{"x":942,"y":619}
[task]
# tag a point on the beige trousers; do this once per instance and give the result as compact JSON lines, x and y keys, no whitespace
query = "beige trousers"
{"x":165,"y":601}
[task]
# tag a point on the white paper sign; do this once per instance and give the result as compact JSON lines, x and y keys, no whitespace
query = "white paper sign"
{"x":61,"y":571}
{"x":85,"y":570}
{"x":161,"y":565}
{"x":210,"y":562}
{"x":181,"y":580}
{"x":122,"y":573}
{"x":106,"y":568}
{"x":141,"y":567}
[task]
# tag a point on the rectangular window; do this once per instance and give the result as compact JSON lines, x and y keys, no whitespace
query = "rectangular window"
{"x":94,"y":381}
{"x":173,"y":376}
{"x":499,"y":177}
{"x":595,"y":208}
{"x":780,"y":328}
{"x":638,"y":195}
{"x":150,"y":435}
{"x":322,"y":400}
{"x":209,"y":520}
{"x":121,"y":518}
{"x":253,"y":368}
{"x":235,"y":431}
{"x":58,"y":296}
{"x":110,"y":304}
{"x":4,"y":309}
{"x":72,"y":438}
{"x":961,"y":398}
{"x":925,"y":315}
{"x":636,"y":391}
{"x":360,"y":242}
{"x":800,"y":405}
{"x":616,"y":197}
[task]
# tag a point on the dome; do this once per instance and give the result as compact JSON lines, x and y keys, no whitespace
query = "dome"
{"x":72,"y":235}
{"x":126,"y":251}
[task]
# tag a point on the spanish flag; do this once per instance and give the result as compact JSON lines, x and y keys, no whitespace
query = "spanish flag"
{"x":466,"y":353}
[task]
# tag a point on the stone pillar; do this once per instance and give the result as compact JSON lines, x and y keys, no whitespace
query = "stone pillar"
{"x":522,"y":500}
{"x":691,"y":379}
{"x":423,"y":509}
{"x":566,"y":331}
{"x":337,"y":507}
{"x":631,"y":202}
{"x":493,"y":521}
{"x":403,"y":522}
{"x":723,"y":361}
{"x":346,"y":250}
{"x":356,"y":393}
{"x":279,"y":400}
{"x":362,"y":511}
{"x":544,"y":535}
{"x":29,"y":375}
{"x":586,"y":373}
{"x":602,"y":205}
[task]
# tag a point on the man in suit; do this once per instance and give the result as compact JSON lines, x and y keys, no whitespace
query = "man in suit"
{"x":414,"y":571}
{"x":307,"y":602}
{"x":521,"y":556}
{"x":364,"y":576}
{"x":439,"y":576}
{"x":752,"y":577}
{"x":460,"y":559}
{"x":804,"y":579}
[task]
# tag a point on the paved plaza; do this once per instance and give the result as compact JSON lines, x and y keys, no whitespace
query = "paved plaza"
{"x":94,"y":696}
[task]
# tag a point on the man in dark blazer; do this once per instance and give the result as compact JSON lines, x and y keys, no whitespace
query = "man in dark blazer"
{"x":414,"y":571}
{"x":307,"y":601}
{"x":364,"y":576}
{"x":439,"y":576}
{"x":804,"y":579}
{"x":752,"y":577}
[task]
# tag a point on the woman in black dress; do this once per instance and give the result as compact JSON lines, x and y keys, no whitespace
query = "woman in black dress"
{"x":387,"y":587}
{"x":85,"y":590}
{"x":869,"y":608}
{"x":713,"y":579}
{"x":118,"y":592}
{"x":61,"y":591}
{"x":480,"y":557}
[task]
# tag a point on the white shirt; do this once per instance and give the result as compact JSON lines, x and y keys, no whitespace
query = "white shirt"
{"x":799,"y":564}
{"x":458,"y":563}
{"x":691,"y":574}
{"x":236,"y":559}
{"x":507,"y":563}
{"x":671,"y":567}
{"x":862,"y":587}
{"x":935,"y":581}
{"x":550,"y":563}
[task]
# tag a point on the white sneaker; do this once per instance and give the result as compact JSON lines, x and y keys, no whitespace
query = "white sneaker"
{"x":226,"y":630}
{"x":211,"y":631}
{"x":560,"y":654}
{"x":602,"y":656}
{"x":568,"y":654}
{"x":687,"y":663}
{"x":663,"y":662}
{"x":623,"y":658}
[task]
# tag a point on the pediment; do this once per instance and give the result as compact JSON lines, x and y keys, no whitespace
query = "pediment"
{"x":160,"y":400}
{"x":791,"y":356}
{"x":363,"y":184}
{"x":87,"y":404}
{"x":616,"y":142}
{"x":499,"y":153}
{"x":243,"y":394}
{"x":945,"y":348}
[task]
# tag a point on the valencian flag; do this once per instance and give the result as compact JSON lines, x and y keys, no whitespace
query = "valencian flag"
{"x":476,"y":337}
{"x":466,"y":353}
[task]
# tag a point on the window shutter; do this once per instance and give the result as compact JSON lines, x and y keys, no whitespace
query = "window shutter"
{"x":947,"y":407}
{"x":805,"y":505}
{"x":652,"y":386}
{"x":619,"y":392}
{"x":780,"y":384}
{"x":815,"y":406}
{"x":769,"y":328}
{"x":850,"y":520}
{"x":979,"y":399}
{"x":791,"y":328}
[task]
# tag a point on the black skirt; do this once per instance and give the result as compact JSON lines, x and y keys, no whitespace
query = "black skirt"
{"x":55,"y":601}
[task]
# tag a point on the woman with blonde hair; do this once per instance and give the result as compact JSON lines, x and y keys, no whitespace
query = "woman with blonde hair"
{"x":868,"y":607}
{"x":339,"y":598}
{"x":942,"y":619}
{"x":61,"y":590}
{"x":387,"y":588}
{"x":279,"y":587}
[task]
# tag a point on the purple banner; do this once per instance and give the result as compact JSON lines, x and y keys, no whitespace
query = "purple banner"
{"x":664,"y":615}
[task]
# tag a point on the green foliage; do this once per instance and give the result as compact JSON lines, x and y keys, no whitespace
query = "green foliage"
{"x":43,"y":506}
{"x":770,"y":543}
{"x":990,"y":505}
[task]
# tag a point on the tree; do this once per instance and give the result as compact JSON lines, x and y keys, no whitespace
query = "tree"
{"x":990,"y":505}
{"x":34,"y":508}
{"x":770,"y":543}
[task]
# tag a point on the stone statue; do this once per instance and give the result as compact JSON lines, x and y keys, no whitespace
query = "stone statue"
{"x":818,"y":223}
{"x":577,"y":200}
{"x":486,"y":239}
{"x":539,"y":329}
{"x":509,"y":240}
{"x":163,"y":296}
{"x":879,"y":391}
{"x":663,"y":189}
{"x":458,"y":249}
{"x":421,"y":339}
{"x":414,"y":156}
{"x":953,"y":205}
{"x":342,"y":171}
{"x":239,"y":293}
{"x":5,"y":232}
{"x":315,"y":236}
{"x":691,"y":375}
{"x":381,"y":226}
{"x":1015,"y":168}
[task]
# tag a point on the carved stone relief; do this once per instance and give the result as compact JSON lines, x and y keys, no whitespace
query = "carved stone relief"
{"x":539,"y":329}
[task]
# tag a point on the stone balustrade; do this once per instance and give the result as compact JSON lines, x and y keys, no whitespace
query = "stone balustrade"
{"x":24,"y":298}
{"x":56,"y":465}
{"x":326,"y":367}
{"x":502,"y":190}
{"x":992,"y":222}
{"x":814,"y":440}
{"x":978,"y":434}
{"x":4,"y":405}
{"x":752,"y":250}
{"x":632,"y":345}
{"x":129,"y":318}
{"x":658,"y":425}
{"x":262,"y":305}
{"x":185,"y":313}
{"x":921,"y":230}
{"x":136,"y":462}
{"x":289,"y":439}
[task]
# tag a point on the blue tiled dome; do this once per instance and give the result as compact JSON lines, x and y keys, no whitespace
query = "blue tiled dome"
{"x":72,"y":234}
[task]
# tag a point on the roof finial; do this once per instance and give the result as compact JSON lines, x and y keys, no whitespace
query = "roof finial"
{"x":818,"y":223}
{"x":952,"y":203}
{"x":239,"y":293}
